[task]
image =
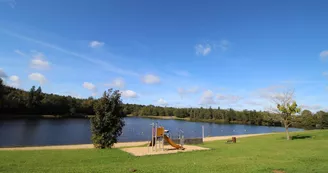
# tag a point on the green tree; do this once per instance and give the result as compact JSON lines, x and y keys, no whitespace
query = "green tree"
{"x":38,"y":97}
{"x":1,"y":92}
{"x":323,"y":119}
{"x":108,"y":122}
{"x":308,"y":121}
{"x":30,"y":100}
{"x":286,"y":108}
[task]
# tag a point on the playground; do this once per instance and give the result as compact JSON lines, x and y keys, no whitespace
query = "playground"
{"x":143,"y":151}
{"x":156,"y":145}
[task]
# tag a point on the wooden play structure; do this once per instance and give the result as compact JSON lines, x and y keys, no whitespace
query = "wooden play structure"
{"x":159,"y":135}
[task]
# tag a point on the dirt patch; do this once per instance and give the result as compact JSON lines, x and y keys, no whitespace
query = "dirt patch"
{"x":143,"y":151}
{"x":278,"y":171}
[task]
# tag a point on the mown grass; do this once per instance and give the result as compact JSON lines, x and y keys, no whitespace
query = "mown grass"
{"x":254,"y":154}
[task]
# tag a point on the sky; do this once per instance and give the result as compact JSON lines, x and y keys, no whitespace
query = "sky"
{"x":228,"y":53}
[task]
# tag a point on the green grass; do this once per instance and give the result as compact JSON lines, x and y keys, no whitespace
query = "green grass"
{"x":254,"y":154}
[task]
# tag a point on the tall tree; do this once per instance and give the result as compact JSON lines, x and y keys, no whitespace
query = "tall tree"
{"x":107,"y":124}
{"x":38,"y":97}
{"x":286,"y":107}
{"x":30,"y":100}
{"x":1,"y":92}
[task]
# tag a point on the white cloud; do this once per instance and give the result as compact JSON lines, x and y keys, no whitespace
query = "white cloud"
{"x":91,"y":87}
{"x":37,"y":77}
{"x":203,"y":49}
{"x":151,"y":79}
{"x":117,"y":83}
{"x":183,"y":91}
{"x":95,"y":44}
{"x":20,"y":53}
{"x":39,"y":62}
{"x":104,"y":64}
{"x":207,"y":98}
{"x":268,"y":92}
{"x":324,"y":55}
{"x":162,"y":102}
{"x":3,"y":74}
{"x":129,"y":94}
{"x":14,"y":81}
{"x":312,"y":107}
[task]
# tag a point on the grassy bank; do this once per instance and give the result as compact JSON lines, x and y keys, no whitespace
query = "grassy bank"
{"x":259,"y":154}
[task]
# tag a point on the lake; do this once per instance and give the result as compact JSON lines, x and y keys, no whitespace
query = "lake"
{"x":40,"y":132}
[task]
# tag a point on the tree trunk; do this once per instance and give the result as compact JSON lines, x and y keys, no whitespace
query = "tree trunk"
{"x":286,"y":127}
{"x":287,"y":133}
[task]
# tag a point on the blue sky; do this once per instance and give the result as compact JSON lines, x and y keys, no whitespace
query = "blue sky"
{"x":175,"y":53}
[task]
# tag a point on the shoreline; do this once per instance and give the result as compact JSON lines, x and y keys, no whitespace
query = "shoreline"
{"x":119,"y":144}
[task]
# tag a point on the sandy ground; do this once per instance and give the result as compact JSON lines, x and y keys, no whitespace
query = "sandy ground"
{"x":78,"y":146}
{"x":143,"y":151}
{"x":216,"y":138}
{"x":120,"y":144}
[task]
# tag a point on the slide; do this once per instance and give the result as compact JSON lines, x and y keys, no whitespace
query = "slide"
{"x":168,"y":140}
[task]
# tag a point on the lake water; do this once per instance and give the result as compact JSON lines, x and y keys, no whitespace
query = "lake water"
{"x":77,"y":131}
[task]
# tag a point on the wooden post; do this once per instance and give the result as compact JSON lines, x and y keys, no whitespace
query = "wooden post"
{"x":203,"y":134}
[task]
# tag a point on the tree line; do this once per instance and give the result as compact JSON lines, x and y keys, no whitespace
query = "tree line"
{"x":14,"y":102}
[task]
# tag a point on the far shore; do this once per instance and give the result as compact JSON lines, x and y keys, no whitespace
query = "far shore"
{"x":162,"y":117}
{"x":119,"y":144}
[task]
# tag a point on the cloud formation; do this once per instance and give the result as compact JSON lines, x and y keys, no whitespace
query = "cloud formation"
{"x":162,"y":102}
{"x":37,"y":77}
{"x":117,"y":83}
{"x":207,"y":98}
{"x":14,"y":81}
{"x":312,"y":107}
{"x":91,"y":87}
{"x":151,"y":79}
{"x":203,"y":49}
{"x":95,"y":44}
{"x":3,"y":74}
{"x":104,"y":64}
{"x":129,"y":94}
{"x":39,"y":62}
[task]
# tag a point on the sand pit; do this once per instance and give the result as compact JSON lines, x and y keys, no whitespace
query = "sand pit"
{"x":79,"y":146}
{"x":143,"y":151}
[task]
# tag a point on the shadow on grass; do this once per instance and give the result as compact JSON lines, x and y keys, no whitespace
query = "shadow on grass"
{"x":300,"y":137}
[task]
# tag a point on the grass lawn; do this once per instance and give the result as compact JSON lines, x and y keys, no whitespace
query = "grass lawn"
{"x":254,"y":154}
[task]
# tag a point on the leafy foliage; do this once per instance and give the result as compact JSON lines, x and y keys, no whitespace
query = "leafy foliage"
{"x":108,"y":122}
{"x":286,"y":112}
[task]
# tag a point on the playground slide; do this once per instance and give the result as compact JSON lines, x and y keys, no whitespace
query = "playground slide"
{"x":172,"y":143}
